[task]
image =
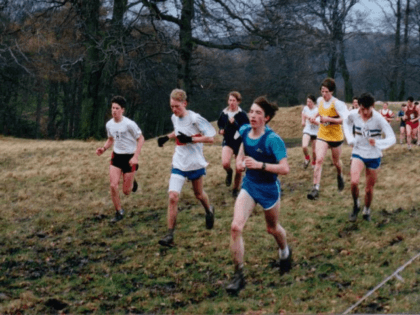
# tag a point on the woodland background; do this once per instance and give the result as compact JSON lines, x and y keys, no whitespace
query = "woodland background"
{"x":62,"y":60}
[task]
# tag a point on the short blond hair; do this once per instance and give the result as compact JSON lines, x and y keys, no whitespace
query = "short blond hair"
{"x":179,"y":95}
{"x":236,"y":95}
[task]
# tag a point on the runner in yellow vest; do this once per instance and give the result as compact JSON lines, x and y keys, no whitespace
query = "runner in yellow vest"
{"x":332,"y":112}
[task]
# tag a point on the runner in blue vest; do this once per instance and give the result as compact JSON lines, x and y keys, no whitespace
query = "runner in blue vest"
{"x":263,"y":155}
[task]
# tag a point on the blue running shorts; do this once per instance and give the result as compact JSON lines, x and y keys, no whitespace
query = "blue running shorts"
{"x":265,"y":194}
{"x":372,"y":164}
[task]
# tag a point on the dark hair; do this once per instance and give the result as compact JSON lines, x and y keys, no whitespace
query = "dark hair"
{"x":269,"y":108}
{"x":410,"y":98}
{"x":366,"y":100}
{"x":404,"y":105}
{"x":313,"y":98}
{"x":355,"y":98}
{"x":416,"y":103}
{"x":329,"y":83}
{"x":119,"y":100}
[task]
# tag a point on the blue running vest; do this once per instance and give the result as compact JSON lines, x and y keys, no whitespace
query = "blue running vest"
{"x":259,"y":153}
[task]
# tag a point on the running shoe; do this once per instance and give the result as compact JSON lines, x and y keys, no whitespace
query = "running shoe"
{"x":119,"y":215}
{"x":228,"y":180}
{"x":354,"y":213}
{"x":340,"y":182}
{"x":366,"y":215}
{"x":235,"y":193}
{"x":314,"y":194}
{"x":237,"y":284}
{"x":167,"y":240}
{"x":210,"y":218}
{"x":135,"y":186}
{"x":306,"y":163}
{"x":286,"y":264}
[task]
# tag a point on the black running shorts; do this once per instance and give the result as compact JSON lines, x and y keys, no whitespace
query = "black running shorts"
{"x":121,"y":161}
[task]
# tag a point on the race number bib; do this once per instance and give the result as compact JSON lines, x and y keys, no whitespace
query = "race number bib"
{"x":366,"y":132}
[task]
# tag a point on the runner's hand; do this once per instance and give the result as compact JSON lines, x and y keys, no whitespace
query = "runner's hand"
{"x":133,"y":161}
{"x":250,"y":163}
{"x":240,"y":167}
{"x":184,"y":138}
{"x":100,"y":151}
{"x":162,"y":140}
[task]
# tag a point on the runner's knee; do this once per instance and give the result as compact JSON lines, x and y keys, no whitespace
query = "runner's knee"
{"x":199,"y":195}
{"x":114,"y":186}
{"x":271,"y":229}
{"x":235,"y":229}
{"x":173,"y":197}
{"x":226,"y":165}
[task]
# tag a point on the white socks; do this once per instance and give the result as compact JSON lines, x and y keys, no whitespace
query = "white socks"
{"x":366,"y":210}
{"x":284,"y":253}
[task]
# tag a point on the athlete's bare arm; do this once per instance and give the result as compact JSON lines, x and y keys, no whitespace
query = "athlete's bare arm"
{"x":135,"y":159}
{"x":240,"y":165}
{"x":281,"y":168}
{"x":107,"y":145}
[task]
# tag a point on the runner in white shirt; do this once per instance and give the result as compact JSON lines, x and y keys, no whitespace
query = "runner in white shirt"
{"x":310,"y":130}
{"x":128,"y":141}
{"x":190,"y":132}
{"x":367,"y":149}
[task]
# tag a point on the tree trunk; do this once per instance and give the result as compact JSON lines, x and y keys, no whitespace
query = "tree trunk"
{"x":52,"y":108}
{"x":404,"y":52}
{"x":39,"y":99}
{"x":186,"y":46}
{"x":395,"y":66}
{"x":348,"y":88}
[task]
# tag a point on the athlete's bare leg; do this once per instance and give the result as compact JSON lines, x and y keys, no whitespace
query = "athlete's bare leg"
{"x":243,"y":208}
{"x":371,"y":177}
{"x":273,"y":226}
{"x":114,"y":179}
{"x":321,"y":151}
{"x":200,"y":194}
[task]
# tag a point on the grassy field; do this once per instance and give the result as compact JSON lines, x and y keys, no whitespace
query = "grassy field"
{"x":60,"y":254}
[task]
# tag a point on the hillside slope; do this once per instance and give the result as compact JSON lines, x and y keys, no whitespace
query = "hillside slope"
{"x":58,"y":251}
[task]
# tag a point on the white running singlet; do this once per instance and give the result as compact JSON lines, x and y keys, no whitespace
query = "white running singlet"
{"x":190,"y":157}
{"x":125,"y":135}
{"x":364,"y":130}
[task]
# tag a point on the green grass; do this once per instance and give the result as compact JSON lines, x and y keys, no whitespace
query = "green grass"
{"x":58,"y":249}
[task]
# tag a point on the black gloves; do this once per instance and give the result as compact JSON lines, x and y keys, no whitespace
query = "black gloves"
{"x":184,"y":138}
{"x":162,"y":140}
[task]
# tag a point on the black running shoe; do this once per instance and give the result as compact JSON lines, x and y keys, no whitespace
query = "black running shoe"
{"x":286,"y":264}
{"x":135,"y":186}
{"x":228,"y":180}
{"x":167,"y":240}
{"x":235,"y":193}
{"x":340,"y":182}
{"x":314,"y":194}
{"x":119,"y":215}
{"x":210,"y":218}
{"x":353,"y":215}
{"x":366,"y":217}
{"x":237,"y":284}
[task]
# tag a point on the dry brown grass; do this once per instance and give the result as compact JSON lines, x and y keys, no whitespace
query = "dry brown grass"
{"x":55,"y":206}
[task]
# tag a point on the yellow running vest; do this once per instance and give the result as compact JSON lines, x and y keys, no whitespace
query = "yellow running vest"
{"x":328,"y":131}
